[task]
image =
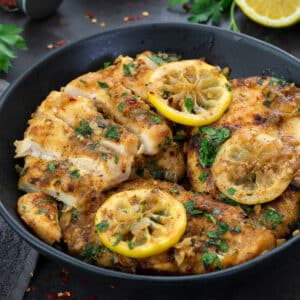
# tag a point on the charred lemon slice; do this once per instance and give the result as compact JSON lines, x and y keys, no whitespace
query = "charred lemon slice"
{"x":189,"y":92}
{"x":140,"y":223}
{"x":254,"y":166}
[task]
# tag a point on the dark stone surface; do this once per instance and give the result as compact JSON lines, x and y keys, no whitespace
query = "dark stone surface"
{"x":279,"y":280}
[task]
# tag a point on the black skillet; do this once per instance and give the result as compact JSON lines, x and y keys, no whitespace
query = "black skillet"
{"x":245,"y":56}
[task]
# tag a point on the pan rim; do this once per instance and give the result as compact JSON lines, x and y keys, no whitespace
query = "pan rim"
{"x":56,"y":254}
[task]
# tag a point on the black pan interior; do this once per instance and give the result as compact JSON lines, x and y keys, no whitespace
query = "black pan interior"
{"x":245,"y":56}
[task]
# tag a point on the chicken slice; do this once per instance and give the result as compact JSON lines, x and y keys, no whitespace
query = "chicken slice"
{"x":121,"y":105}
{"x":49,"y":138}
{"x":61,"y":180}
{"x":82,"y":111}
{"x":39,"y":212}
{"x":218,"y":235}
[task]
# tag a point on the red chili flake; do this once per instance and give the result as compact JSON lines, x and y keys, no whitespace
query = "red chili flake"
{"x":93,"y":297}
{"x":89,"y":14}
{"x":129,"y":4}
{"x":170,"y":100}
{"x":60,"y":43}
{"x":65,"y":273}
{"x":140,"y":17}
{"x":8,"y":3}
{"x":131,"y":18}
{"x":52,"y":296}
{"x":131,"y":101}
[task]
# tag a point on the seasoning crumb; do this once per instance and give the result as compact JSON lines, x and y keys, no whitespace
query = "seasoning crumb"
{"x":126,"y":19}
{"x":28,"y":290}
{"x":140,"y":17}
{"x":31,"y":274}
{"x":280,"y":242}
{"x":145,"y":14}
{"x":50,"y":46}
{"x":296,"y":232}
{"x":94,"y":20}
{"x":103,"y":24}
{"x":63,"y":294}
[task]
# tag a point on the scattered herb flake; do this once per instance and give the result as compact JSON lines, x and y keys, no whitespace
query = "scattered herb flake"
{"x":75,"y":174}
{"x":155,"y":119}
{"x":209,"y":216}
{"x":260,"y":81}
{"x":118,"y":239}
{"x":74,"y":215}
{"x":209,"y":259}
{"x":116,"y":159}
{"x":84,"y":128}
{"x":102,"y":226}
{"x":127,"y":68}
{"x":82,"y":81}
{"x":90,"y":252}
{"x":165,"y":94}
{"x":104,"y":156}
{"x":92,"y":146}
{"x":175,"y":191}
{"x":102,"y":84}
{"x":189,"y":104}
{"x":228,"y":87}
{"x":231,"y":191}
{"x":139,"y":172}
{"x":106,"y":64}
{"x":112,"y":132}
{"x":51,"y":166}
{"x":121,"y":106}
{"x":156,"y":59}
{"x":203,"y":177}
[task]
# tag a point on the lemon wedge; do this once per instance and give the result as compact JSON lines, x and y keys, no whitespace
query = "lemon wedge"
{"x":140,"y":223}
{"x":254,"y":166}
{"x":271,"y":13}
{"x":189,"y":92}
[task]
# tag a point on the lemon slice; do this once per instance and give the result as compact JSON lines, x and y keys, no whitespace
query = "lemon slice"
{"x":271,"y":13}
{"x":189,"y":92}
{"x":140,"y":223}
{"x":254,"y":166}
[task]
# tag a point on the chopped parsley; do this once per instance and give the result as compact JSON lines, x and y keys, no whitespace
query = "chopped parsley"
{"x":51,"y":166}
{"x":231,"y":191}
{"x":211,"y":139}
{"x":102,"y":226}
{"x":203,"y":177}
{"x":104,"y":156}
{"x":112,"y":132}
{"x":75,"y":174}
{"x":228,"y":87}
{"x":102,"y":84}
{"x":246,"y":208}
{"x":118,"y":239}
{"x":260,"y":81}
{"x":74,"y":215}
{"x":236,"y":228}
{"x":168,"y":141}
{"x":140,"y":172}
{"x":106,"y":64}
{"x":223,"y":228}
{"x":84,"y":128}
{"x":24,"y":171}
{"x":175,"y":191}
{"x":189,"y":104}
{"x":210,"y":217}
{"x":156,"y":59}
{"x":116,"y":159}
{"x":121,"y":106}
{"x":272,"y":216}
{"x":42,"y":210}
{"x":82,"y":81}
{"x":165,"y":94}
{"x":128,"y":68}
{"x":155,"y":119}
{"x":190,"y":208}
{"x":209,"y":259}
{"x":90,"y":252}
{"x":279,"y":81}
{"x":92,"y":146}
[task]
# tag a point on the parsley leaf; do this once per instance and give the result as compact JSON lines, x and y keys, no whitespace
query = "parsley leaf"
{"x":102,"y":84}
{"x":112,"y":132}
{"x":118,"y":239}
{"x":189,"y":104}
{"x":203,"y":177}
{"x":121,"y":106}
{"x":231,"y":191}
{"x":74,"y":215}
{"x":128,"y":68}
{"x":84,"y":128}
{"x":156,"y":59}
{"x":102,"y":226}
{"x":209,"y":259}
{"x":51,"y":166}
{"x":155,"y":119}
{"x":9,"y":38}
{"x":271,"y":215}
{"x":106,"y":64}
{"x":90,"y":252}
{"x":75,"y":174}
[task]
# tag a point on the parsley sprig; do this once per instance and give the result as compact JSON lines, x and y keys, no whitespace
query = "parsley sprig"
{"x":204,"y":10}
{"x":10,"y":38}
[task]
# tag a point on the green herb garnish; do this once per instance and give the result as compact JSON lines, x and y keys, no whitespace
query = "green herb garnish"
{"x":231,"y":191}
{"x":51,"y":166}
{"x":209,"y":259}
{"x":10,"y":38}
{"x":155,"y":119}
{"x":102,"y":84}
{"x":84,"y":128}
{"x":203,"y":177}
{"x":156,"y":59}
{"x":112,"y":132}
{"x":102,"y":226}
{"x":90,"y":252}
{"x":189,"y":104}
{"x":74,"y":215}
{"x":106,"y":64}
{"x":128,"y":69}
{"x":121,"y":106}
{"x":75,"y":174}
{"x":118,"y":239}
